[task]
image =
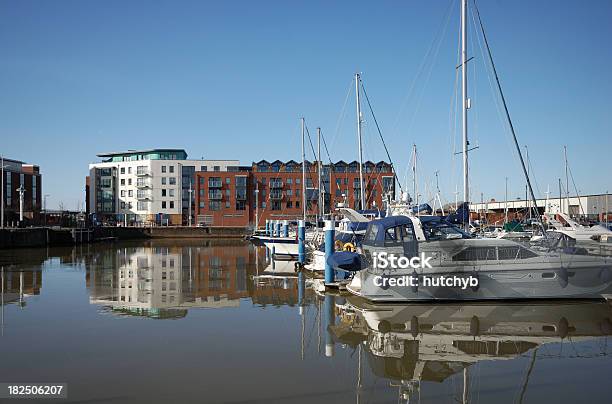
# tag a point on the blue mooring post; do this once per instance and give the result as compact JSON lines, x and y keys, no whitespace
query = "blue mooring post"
{"x":278,"y":228}
{"x":285,"y":228}
{"x":330,"y":317}
{"x":301,"y":242}
{"x":329,"y":250}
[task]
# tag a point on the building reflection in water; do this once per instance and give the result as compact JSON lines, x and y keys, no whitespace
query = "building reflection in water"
{"x":162,"y":280}
{"x":412,"y":344}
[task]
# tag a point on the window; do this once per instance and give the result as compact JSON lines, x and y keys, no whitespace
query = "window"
{"x":297,"y":204}
{"x":171,"y":193}
{"x":216,"y":168}
{"x":129,"y":181}
{"x":201,"y":204}
{"x":172,"y":180}
{"x":140,"y":170}
{"x":203,"y":168}
{"x":122,"y":205}
{"x":163,"y":180}
{"x":289,"y":204}
{"x":214,"y":205}
{"x":289,"y":192}
{"x":129,"y":170}
{"x":227,"y":204}
{"x":142,"y":206}
{"x":130,"y":193}
{"x":122,"y":170}
{"x":263,"y":205}
{"x":171,"y":168}
{"x":163,"y":204}
{"x":227,"y":180}
{"x":163,"y":192}
{"x":122,"y":181}
{"x":240,"y":205}
{"x":171,"y":204}
{"x":123,"y":193}
{"x":163,"y":169}
{"x":289,"y":181}
{"x":298,"y":181}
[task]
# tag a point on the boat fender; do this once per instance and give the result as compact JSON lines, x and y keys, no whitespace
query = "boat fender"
{"x":298,"y":266}
{"x":384,"y":326}
{"x":562,"y":276}
{"x":415,"y":288}
{"x":348,"y":247}
{"x":385,"y":284}
{"x":474,"y":326}
{"x":474,"y":274}
{"x":563,"y":328}
{"x":605,"y":275}
{"x":414,"y":326}
{"x":606,"y":327}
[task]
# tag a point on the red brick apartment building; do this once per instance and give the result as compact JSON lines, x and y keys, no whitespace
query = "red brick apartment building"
{"x":274,"y":190}
{"x":18,"y":174}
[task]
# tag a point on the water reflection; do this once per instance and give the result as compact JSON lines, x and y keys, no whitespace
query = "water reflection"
{"x":163,"y":281}
{"x":412,"y":344}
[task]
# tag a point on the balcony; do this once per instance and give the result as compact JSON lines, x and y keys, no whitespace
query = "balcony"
{"x":214,"y":183}
{"x":143,"y":172}
{"x":276,"y":194}
{"x":143,"y":184}
{"x":241,"y":194}
{"x":276,"y":184}
{"x":215,"y":195}
{"x":144,"y":196}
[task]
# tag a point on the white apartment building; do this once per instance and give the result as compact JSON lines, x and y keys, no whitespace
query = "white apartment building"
{"x":147,"y":186}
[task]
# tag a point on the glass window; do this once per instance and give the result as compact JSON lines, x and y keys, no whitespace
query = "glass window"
{"x":163,"y":180}
{"x":163,"y":204}
{"x":163,"y":192}
{"x":172,"y":180}
{"x":171,"y":193}
{"x":171,"y":204}
{"x":122,"y":170}
{"x":171,"y":168}
{"x":163,"y":168}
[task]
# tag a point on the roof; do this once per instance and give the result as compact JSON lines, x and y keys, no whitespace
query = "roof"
{"x":112,"y":154}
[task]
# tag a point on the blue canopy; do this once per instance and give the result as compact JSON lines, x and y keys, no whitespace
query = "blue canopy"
{"x":424,"y":207}
{"x":346,"y":261}
{"x":377,"y":228}
{"x":461,"y":215}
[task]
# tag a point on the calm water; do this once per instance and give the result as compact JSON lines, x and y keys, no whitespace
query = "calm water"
{"x":186,"y":321}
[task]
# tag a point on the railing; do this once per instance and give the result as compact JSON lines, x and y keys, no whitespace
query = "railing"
{"x":276,"y":194}
{"x":143,"y":184}
{"x":276,"y":184}
{"x":241,"y":194}
{"x":144,"y":196}
{"x":141,"y":172}
{"x":215,"y":184}
{"x":215,"y":195}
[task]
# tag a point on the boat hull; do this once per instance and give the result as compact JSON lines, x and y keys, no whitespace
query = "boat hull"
{"x":579,"y":282}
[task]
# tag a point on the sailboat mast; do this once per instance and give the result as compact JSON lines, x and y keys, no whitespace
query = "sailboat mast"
{"x":303,"y":172}
{"x":319,"y":166}
{"x":566,"y":178}
{"x":464,"y":44}
{"x":361,"y":184}
{"x":414,"y":177}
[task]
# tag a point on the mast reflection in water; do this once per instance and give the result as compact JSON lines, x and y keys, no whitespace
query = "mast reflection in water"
{"x":193,"y":321}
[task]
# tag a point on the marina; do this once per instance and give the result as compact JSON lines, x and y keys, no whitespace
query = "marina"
{"x":182,"y":337}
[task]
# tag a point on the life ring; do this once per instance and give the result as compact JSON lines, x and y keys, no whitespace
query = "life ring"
{"x":350,"y":247}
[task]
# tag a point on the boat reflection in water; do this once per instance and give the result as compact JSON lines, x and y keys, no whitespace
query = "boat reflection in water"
{"x":161,"y":280}
{"x":411,"y":344}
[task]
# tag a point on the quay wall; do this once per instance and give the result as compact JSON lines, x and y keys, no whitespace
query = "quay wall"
{"x":46,"y":236}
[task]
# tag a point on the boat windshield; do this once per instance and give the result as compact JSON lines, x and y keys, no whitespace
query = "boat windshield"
{"x":442,"y":230}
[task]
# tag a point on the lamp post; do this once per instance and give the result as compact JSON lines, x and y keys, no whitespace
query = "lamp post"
{"x":2,"y":194}
{"x":45,"y":207}
{"x":257,"y":207}
{"x":190,"y":194}
{"x":21,"y":191}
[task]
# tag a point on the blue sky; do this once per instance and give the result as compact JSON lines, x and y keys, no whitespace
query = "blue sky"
{"x":230,"y":79}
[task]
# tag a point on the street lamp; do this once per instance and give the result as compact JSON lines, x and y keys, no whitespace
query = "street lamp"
{"x":257,"y":207}
{"x":190,"y":193}
{"x":2,"y":193}
{"x":45,"y":206}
